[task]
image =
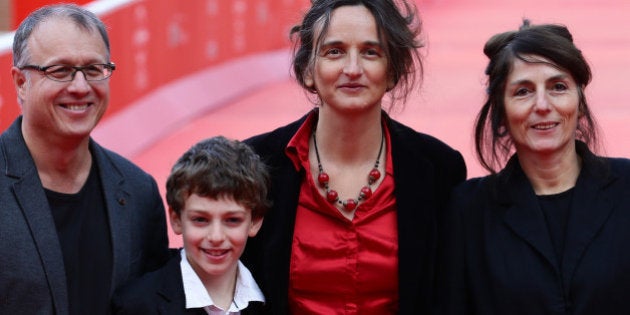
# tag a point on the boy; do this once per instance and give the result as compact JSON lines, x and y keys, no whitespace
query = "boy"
{"x":217,"y":196}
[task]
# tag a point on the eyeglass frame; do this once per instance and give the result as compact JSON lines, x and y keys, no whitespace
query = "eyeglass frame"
{"x":43,"y":70}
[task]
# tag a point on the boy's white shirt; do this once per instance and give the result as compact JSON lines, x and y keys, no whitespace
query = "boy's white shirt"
{"x":197,"y":296}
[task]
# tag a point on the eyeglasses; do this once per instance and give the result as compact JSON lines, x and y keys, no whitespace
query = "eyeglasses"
{"x":64,"y":73}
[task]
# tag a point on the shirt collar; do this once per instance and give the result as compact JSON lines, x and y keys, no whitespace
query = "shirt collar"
{"x":197,"y":296}
{"x":297,"y":148}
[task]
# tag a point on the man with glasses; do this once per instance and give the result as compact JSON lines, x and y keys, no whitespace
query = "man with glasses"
{"x":76,"y":220}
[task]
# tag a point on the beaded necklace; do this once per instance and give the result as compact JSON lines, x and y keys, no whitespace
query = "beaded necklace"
{"x":366,"y":192}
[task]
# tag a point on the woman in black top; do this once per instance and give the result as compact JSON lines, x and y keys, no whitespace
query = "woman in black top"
{"x":548,"y":233}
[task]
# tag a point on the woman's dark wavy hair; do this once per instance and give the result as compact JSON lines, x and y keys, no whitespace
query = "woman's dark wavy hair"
{"x":398,"y":26}
{"x":553,"y":42}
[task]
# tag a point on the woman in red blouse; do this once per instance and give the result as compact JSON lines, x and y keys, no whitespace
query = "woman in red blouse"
{"x":357,"y":195}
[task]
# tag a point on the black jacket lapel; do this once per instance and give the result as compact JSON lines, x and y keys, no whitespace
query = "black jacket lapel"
{"x":592,"y":205}
{"x":522,"y":211}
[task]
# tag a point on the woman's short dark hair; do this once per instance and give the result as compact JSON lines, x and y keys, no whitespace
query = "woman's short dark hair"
{"x":398,"y":25}
{"x":553,"y":42}
{"x":220,"y":168}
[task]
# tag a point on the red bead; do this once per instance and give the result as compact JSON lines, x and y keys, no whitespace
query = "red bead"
{"x":323,"y":179}
{"x":350,"y":204}
{"x":375,"y":174}
{"x":366,"y":193}
{"x":332,"y":196}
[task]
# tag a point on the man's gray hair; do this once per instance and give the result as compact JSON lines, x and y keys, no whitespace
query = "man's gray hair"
{"x":82,"y":17}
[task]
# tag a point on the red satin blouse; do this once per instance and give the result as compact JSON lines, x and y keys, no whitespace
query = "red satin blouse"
{"x":340,"y":266}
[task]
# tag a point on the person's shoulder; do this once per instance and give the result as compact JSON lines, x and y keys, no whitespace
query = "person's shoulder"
{"x":11,"y":139}
{"x":470,"y":196}
{"x":113,"y":157}
{"x":616,"y":168}
{"x":140,"y":294}
{"x":277,"y":137}
{"x":255,"y":308}
{"x":619,"y":164}
{"x":154,"y":278}
{"x":474,"y":186}
{"x":117,"y":161}
{"x":420,"y":141}
{"x":411,"y":146}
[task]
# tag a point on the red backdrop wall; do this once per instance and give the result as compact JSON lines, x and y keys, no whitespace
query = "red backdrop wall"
{"x":22,"y":8}
{"x":157,"y":41}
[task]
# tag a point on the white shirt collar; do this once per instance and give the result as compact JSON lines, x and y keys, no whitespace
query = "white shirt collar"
{"x":197,"y":296}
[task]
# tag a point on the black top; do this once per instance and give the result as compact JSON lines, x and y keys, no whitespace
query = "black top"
{"x":500,"y":258}
{"x":556,"y":209}
{"x":84,"y":236}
